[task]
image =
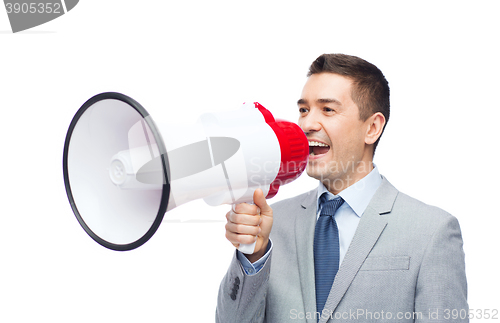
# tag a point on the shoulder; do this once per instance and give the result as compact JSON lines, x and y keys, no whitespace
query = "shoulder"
{"x":388,"y":200}
{"x":413,"y":223}
{"x":406,"y":204}
{"x":407,"y":213}
{"x":421,"y":217}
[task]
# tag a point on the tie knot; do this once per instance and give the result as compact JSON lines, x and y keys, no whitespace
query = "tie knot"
{"x":329,"y":207}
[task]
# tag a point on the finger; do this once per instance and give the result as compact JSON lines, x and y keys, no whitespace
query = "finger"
{"x":246,"y":208}
{"x":243,"y":229}
{"x":246,"y":219}
{"x":260,"y":200}
{"x":237,"y":239}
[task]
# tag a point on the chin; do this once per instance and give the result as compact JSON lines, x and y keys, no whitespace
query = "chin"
{"x":315,"y":172}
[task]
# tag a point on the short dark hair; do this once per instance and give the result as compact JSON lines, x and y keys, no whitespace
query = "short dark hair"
{"x":370,"y":89}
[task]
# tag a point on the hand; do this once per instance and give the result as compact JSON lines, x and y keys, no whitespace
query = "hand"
{"x":250,"y":222}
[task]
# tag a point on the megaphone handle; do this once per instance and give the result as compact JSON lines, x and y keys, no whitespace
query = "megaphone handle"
{"x":246,"y":248}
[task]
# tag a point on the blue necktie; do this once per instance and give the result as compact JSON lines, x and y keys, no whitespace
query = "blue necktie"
{"x":326,"y":250}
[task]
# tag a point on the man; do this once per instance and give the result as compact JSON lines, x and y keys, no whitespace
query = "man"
{"x":355,"y":249}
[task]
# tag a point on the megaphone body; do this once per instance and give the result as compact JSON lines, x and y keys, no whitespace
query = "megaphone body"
{"x":123,"y":171}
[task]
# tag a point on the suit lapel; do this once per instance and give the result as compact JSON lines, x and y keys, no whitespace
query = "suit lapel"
{"x":369,"y":229}
{"x":305,"y":222}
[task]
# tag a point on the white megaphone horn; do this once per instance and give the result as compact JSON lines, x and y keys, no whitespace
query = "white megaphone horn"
{"x":122,"y":171}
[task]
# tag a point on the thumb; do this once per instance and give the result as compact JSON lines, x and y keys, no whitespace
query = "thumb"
{"x":260,"y":200}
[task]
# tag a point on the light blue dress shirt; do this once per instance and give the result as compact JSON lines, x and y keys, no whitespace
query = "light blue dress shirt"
{"x":356,"y":199}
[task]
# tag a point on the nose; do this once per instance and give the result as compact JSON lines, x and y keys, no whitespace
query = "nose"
{"x":310,"y":123}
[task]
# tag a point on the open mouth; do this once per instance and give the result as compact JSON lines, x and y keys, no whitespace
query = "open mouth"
{"x":317,"y":148}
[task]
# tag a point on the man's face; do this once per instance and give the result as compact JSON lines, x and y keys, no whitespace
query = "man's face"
{"x":335,"y":132}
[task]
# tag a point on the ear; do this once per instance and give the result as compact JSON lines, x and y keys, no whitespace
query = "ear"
{"x":375,"y":124}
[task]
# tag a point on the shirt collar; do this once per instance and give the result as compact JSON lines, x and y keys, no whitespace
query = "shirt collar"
{"x":358,"y":195}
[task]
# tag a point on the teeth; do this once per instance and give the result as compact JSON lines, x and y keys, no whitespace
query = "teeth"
{"x":317,"y":144}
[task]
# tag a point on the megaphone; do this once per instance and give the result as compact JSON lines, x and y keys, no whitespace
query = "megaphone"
{"x":122,"y":171}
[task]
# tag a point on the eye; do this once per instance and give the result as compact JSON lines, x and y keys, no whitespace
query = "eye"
{"x":328,"y":109}
{"x":302,"y":110}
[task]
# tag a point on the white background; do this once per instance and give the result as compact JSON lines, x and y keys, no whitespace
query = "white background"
{"x":180,"y":60}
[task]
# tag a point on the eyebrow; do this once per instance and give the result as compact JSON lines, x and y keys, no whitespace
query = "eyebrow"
{"x":327,"y":100}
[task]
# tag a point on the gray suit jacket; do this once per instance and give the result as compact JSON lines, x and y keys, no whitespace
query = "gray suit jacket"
{"x":404,"y":264}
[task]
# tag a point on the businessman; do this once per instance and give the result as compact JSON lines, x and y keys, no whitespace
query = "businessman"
{"x":355,"y":249}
